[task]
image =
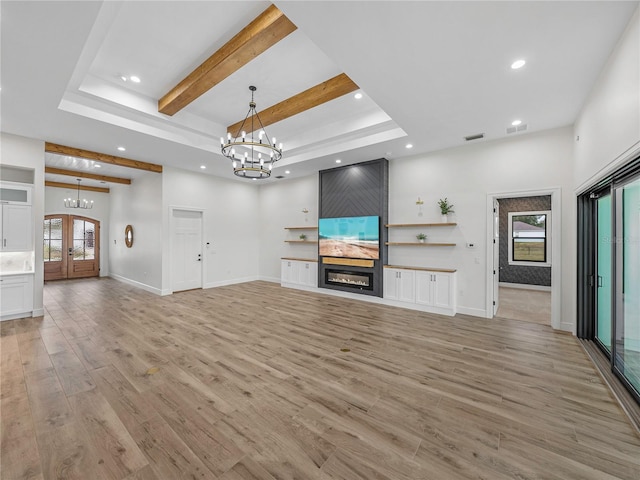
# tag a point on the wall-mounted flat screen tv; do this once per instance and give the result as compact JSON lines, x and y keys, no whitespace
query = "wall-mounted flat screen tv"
{"x":349,"y":237}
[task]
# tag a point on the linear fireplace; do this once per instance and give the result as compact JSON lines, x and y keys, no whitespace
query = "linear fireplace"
{"x":351,"y":279}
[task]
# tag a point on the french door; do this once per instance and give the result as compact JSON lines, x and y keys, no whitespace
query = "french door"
{"x":71,"y":247}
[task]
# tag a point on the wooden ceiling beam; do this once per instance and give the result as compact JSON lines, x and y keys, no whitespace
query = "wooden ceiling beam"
{"x":324,"y":92}
{"x":263,"y":32}
{"x":47,"y":183}
{"x":93,"y":176}
{"x":101,"y":157}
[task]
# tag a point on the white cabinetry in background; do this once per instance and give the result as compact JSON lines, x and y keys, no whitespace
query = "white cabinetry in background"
{"x":421,"y":289}
{"x":399,"y":285}
{"x":16,"y":224}
{"x":299,"y":273}
{"x":16,"y":295}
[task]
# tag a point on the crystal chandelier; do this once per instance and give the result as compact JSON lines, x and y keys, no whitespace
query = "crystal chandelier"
{"x":251,"y":157}
{"x":77,"y":203}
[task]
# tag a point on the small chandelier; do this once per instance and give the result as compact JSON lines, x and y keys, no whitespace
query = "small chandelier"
{"x":251,"y":157}
{"x":77,"y":203}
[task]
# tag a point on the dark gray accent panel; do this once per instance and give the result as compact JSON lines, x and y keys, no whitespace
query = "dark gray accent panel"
{"x":351,"y":191}
{"x":518,"y":273}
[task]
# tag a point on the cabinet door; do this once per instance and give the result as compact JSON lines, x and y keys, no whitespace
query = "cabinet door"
{"x":390,"y":287}
{"x":313,"y":274}
{"x":442,"y":294}
{"x":424,"y":288}
{"x":285,"y":271}
{"x":304,"y":273}
{"x":16,"y":295}
{"x":406,"y":286}
{"x":16,"y":228}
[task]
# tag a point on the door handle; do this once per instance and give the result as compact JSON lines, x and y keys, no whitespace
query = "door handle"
{"x":599,"y":281}
{"x":70,"y":251}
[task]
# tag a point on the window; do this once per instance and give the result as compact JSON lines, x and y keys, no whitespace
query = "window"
{"x":529,"y":238}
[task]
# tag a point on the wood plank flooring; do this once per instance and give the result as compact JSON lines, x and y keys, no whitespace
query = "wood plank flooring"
{"x":255,"y":381}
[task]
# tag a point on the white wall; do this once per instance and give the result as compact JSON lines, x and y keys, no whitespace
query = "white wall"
{"x":609,"y":124}
{"x":140,"y":205}
{"x":54,"y":204}
{"x":231,"y":215}
{"x":29,"y":153}
{"x":465,"y":176}
{"x":284,"y":203}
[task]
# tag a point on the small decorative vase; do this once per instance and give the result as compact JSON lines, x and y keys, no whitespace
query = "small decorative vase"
{"x":444,"y":219}
{"x":421,"y":240}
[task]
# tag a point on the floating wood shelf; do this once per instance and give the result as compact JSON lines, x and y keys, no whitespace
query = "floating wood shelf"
{"x":315,"y":260}
{"x":395,"y":225}
{"x":300,"y":228}
{"x":420,"y":244}
{"x":301,"y":241}
{"x":422,"y":269}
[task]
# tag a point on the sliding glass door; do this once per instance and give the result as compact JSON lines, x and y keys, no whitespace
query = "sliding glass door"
{"x":609,"y":272}
{"x":627,"y":325}
{"x":603,"y":275}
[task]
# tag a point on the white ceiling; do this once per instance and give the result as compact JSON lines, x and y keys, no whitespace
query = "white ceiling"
{"x":431,"y":73}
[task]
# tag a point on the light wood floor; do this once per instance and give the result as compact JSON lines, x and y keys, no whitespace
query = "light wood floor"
{"x":254,"y":381}
{"x":526,"y":305}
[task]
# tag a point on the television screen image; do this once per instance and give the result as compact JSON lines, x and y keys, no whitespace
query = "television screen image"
{"x":349,"y":237}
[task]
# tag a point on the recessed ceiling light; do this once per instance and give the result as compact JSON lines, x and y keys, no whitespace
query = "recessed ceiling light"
{"x":97,"y":165}
{"x":123,"y":78}
{"x":134,"y":79}
{"x":518,"y":64}
{"x":409,"y":145}
{"x":338,"y":161}
{"x":122,"y":149}
{"x":515,"y":123}
{"x":255,"y":179}
{"x":357,"y":96}
{"x":203,"y":167}
{"x":287,"y":172}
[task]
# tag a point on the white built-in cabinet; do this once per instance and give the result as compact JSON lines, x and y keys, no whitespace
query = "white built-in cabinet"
{"x":299,"y":273}
{"x":399,"y":285}
{"x":17,"y":226}
{"x":421,"y":289}
{"x":16,"y":233}
{"x":16,"y":294}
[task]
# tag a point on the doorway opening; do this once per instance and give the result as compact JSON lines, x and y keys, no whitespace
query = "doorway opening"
{"x":524,"y":252}
{"x":71,"y":247}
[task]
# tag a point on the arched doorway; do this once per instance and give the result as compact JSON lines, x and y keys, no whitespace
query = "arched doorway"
{"x":71,"y":247}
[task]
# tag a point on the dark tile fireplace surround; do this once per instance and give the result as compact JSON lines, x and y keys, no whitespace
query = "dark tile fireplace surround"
{"x":351,"y":191}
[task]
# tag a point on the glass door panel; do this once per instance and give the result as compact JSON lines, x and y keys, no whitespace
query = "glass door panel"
{"x":55,"y":257}
{"x":627,"y":348}
{"x":603,"y":271}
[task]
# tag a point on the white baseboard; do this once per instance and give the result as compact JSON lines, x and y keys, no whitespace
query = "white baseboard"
{"x":474,"y":312}
{"x":232,"y":281}
{"x":38,"y":312}
{"x":567,"y":327}
{"x":143,"y":286}
{"x":524,"y":286}
{"x":269,"y":279}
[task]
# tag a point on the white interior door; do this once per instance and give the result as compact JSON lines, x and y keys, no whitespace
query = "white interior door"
{"x":186,"y":250}
{"x":496,"y":253}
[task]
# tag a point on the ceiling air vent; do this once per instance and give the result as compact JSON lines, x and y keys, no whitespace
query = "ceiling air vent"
{"x":477,"y":136}
{"x":519,"y":128}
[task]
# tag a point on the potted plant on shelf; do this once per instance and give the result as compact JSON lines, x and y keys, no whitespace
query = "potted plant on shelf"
{"x":445,"y":209}
{"x":421,"y":237}
{"x":303,"y":237}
